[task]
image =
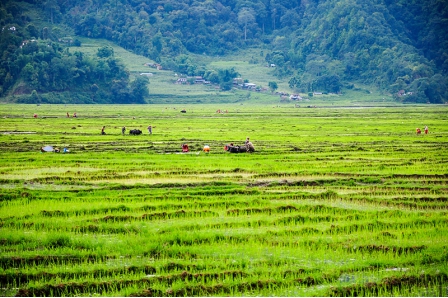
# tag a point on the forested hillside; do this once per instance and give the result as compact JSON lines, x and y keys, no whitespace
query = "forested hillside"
{"x":399,"y":46}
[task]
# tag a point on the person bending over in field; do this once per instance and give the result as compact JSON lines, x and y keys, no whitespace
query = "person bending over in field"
{"x":418,"y":131}
{"x":102,"y":130}
{"x":250,"y":147}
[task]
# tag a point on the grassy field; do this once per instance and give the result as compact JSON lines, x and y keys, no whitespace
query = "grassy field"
{"x":334,"y":202}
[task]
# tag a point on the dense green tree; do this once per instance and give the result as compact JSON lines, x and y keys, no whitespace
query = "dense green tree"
{"x":105,"y":52}
{"x":121,"y":92}
{"x":139,"y":89}
{"x":226,"y":77}
{"x":212,"y":76}
{"x":273,"y":86}
{"x":28,"y":72}
{"x":328,"y":83}
{"x":294,"y":83}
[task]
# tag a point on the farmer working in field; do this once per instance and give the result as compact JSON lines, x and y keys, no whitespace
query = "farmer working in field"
{"x":102,"y":130}
{"x":249,"y":146}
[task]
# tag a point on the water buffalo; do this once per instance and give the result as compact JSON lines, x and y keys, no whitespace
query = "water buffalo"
{"x":135,"y":132}
{"x":240,"y":149}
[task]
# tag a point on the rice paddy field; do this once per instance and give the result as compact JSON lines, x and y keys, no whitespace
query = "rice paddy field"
{"x":333,"y":202}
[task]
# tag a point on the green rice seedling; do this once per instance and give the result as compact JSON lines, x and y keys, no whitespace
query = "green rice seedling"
{"x":331,"y":197}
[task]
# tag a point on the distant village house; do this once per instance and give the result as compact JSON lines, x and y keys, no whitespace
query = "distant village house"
{"x":238,"y":81}
{"x":192,"y":80}
{"x":154,"y":65}
{"x":181,"y":81}
{"x":295,"y":97}
{"x":250,"y":86}
{"x":403,"y":93}
{"x":199,"y":80}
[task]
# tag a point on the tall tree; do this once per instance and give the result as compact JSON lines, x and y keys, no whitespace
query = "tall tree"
{"x":245,"y":17}
{"x":52,"y":7}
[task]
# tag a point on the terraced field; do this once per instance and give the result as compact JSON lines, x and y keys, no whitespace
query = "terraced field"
{"x":334,"y":202}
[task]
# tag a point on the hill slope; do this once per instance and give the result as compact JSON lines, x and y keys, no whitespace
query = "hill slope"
{"x":323,"y":46}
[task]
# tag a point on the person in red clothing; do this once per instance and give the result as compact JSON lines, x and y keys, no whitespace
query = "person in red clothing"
{"x":426,"y":130}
